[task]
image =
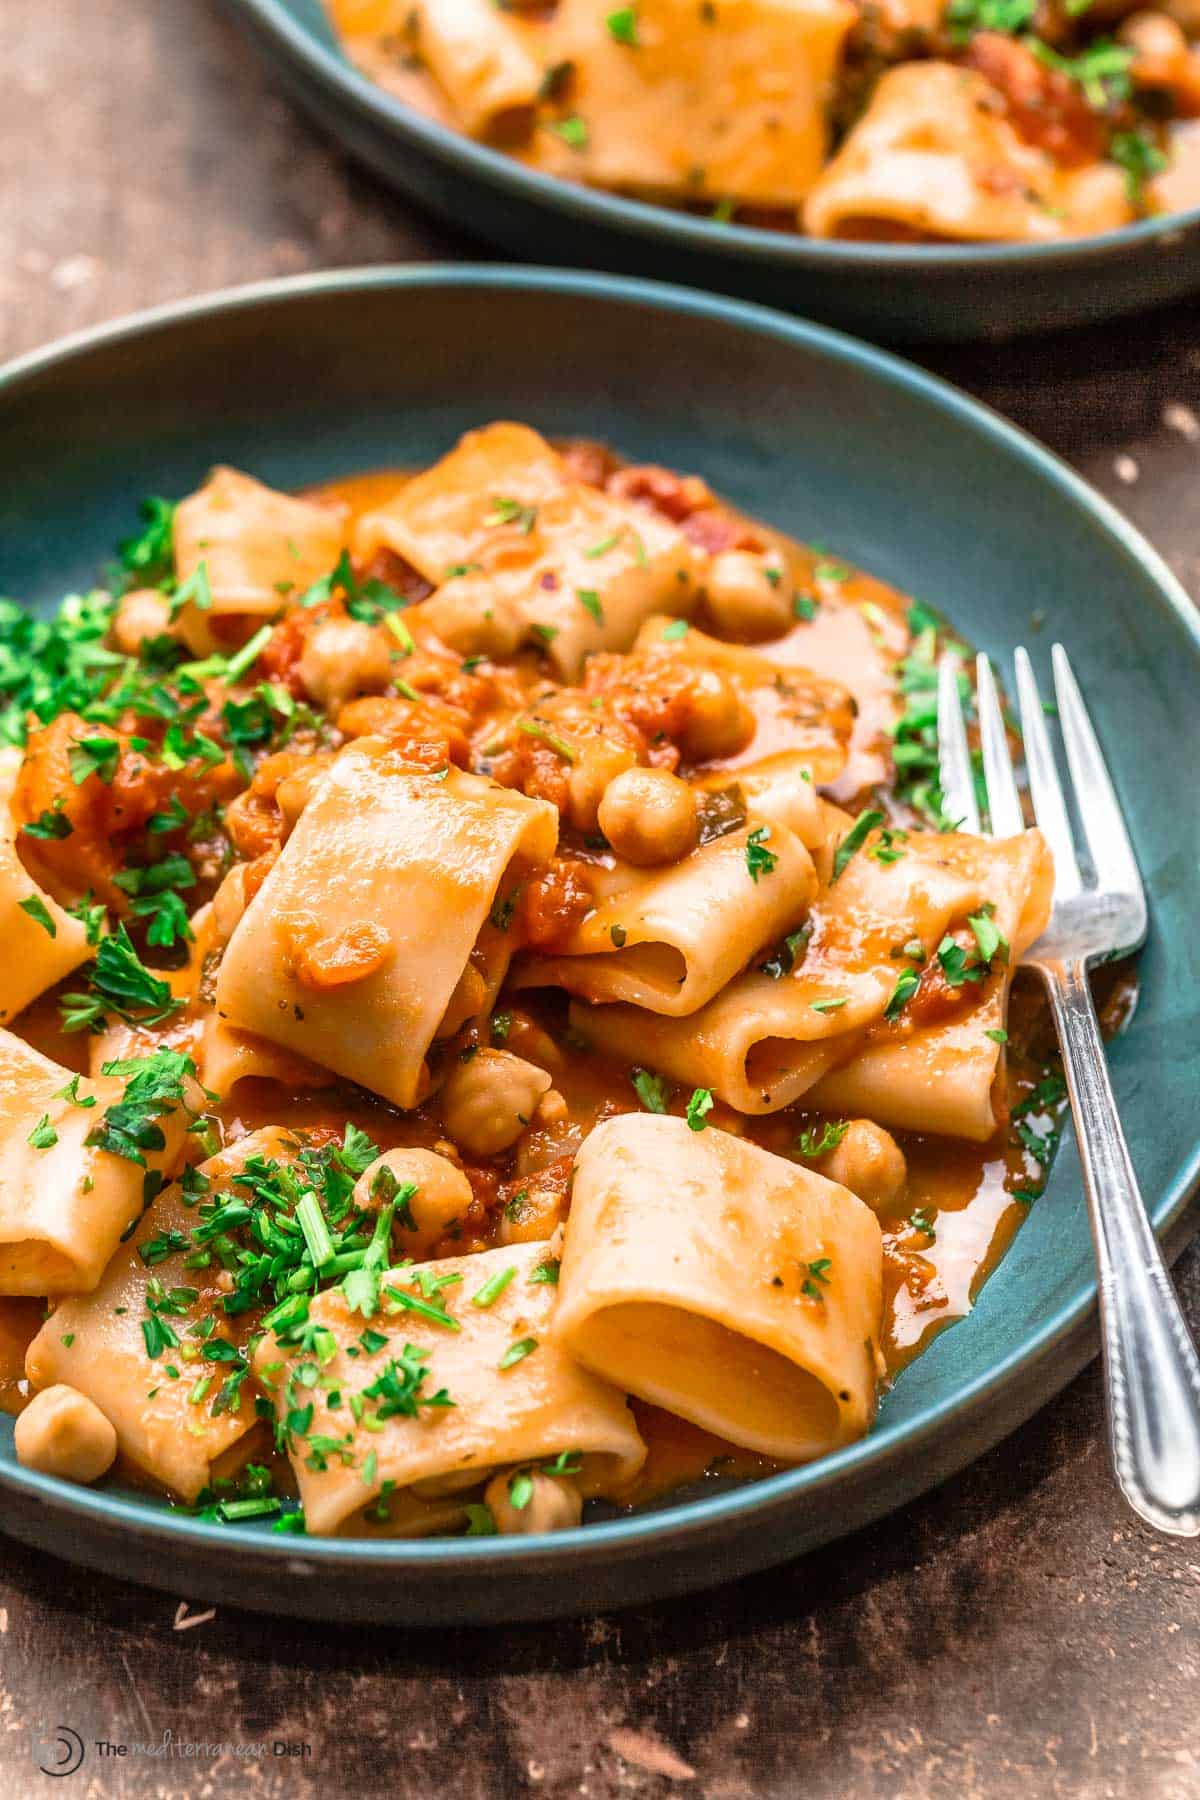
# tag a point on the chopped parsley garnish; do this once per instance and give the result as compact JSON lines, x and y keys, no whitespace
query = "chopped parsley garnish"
{"x":536,"y":728}
{"x":196,"y":591}
{"x":43,"y":1136}
{"x":652,"y":1090}
{"x":965,"y":17}
{"x":119,"y":985}
{"x":520,"y":1489}
{"x":603,"y":547}
{"x":920,"y":1221}
{"x":787,"y":954}
{"x":52,"y":823}
{"x":71,"y":1094}
{"x":154,"y":1087}
{"x":360,"y":1288}
{"x":501,"y":1025}
{"x":153,"y":890}
{"x":854,"y":840}
{"x":817,"y":1271}
{"x":805,"y":607}
{"x":698,"y":1108}
{"x":546,"y":1273}
{"x":589,"y":599}
{"x":150,"y":556}
{"x":906,"y":986}
{"x":759,"y":860}
{"x":512,"y":512}
{"x":480,"y":1522}
{"x":828,"y":1006}
{"x":37,"y":909}
{"x":678,"y":628}
{"x":1139,"y":157}
{"x":888,"y":850}
{"x":517,"y":1352}
{"x":818,"y":1140}
{"x":572,"y":131}
{"x":94,"y":756}
{"x":397,"y":1387}
{"x":494,"y":1286}
{"x":622,"y":26}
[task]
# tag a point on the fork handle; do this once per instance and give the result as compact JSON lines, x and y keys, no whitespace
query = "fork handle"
{"x":1152,"y":1371}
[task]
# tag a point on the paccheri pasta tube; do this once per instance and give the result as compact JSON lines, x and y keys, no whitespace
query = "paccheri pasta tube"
{"x":772,"y":1034}
{"x":72,"y":1170}
{"x":150,"y":1345}
{"x":723,"y":1283}
{"x":352,"y":949}
{"x":459,"y":1372}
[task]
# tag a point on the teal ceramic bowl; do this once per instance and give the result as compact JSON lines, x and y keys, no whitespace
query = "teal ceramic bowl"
{"x":899,"y":293}
{"x":831,"y":440}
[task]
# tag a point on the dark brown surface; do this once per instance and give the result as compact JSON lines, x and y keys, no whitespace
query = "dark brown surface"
{"x":1017,"y":1631}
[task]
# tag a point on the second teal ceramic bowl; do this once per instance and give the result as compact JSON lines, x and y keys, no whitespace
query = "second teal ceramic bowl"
{"x":830,"y":440}
{"x":898,"y":293}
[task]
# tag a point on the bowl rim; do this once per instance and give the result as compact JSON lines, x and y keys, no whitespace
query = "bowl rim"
{"x":772,"y":1496}
{"x":709,"y":237}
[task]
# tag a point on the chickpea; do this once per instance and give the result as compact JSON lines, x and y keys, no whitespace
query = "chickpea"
{"x":649,"y":817}
{"x":63,"y":1433}
{"x":296,"y":789}
{"x":555,"y":1504}
{"x":490,"y":1099}
{"x":870,"y":1163}
{"x":443,"y":1194}
{"x":530,"y":1217}
{"x":749,"y":594}
{"x":720,"y":722}
{"x":344,"y":657}
{"x":1155,"y":40}
{"x":143,"y":613}
{"x":599,"y":762}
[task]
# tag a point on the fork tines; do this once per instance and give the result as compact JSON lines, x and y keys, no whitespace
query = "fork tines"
{"x":1115,"y":879}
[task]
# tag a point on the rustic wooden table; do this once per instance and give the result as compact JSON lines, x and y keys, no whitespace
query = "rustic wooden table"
{"x":1017,"y":1630}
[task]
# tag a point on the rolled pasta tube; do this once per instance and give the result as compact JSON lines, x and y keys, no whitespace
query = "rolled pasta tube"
{"x":723,"y":1283}
{"x":517,"y":1396}
{"x":476,"y":55}
{"x":937,"y":1078}
{"x":99,"y":1346}
{"x":726,"y":102}
{"x":936,"y":155}
{"x":228,"y":1056}
{"x":669,"y":939}
{"x":64,"y":1203}
{"x":776,"y":1030}
{"x":42,"y":943}
{"x":514,"y":545}
{"x":353,"y":947}
{"x":259,"y":550}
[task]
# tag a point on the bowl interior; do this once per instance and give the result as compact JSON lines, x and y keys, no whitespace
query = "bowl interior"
{"x":826,"y":438}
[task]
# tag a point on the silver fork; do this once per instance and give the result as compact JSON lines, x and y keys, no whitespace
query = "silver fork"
{"x":1152,"y":1375}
